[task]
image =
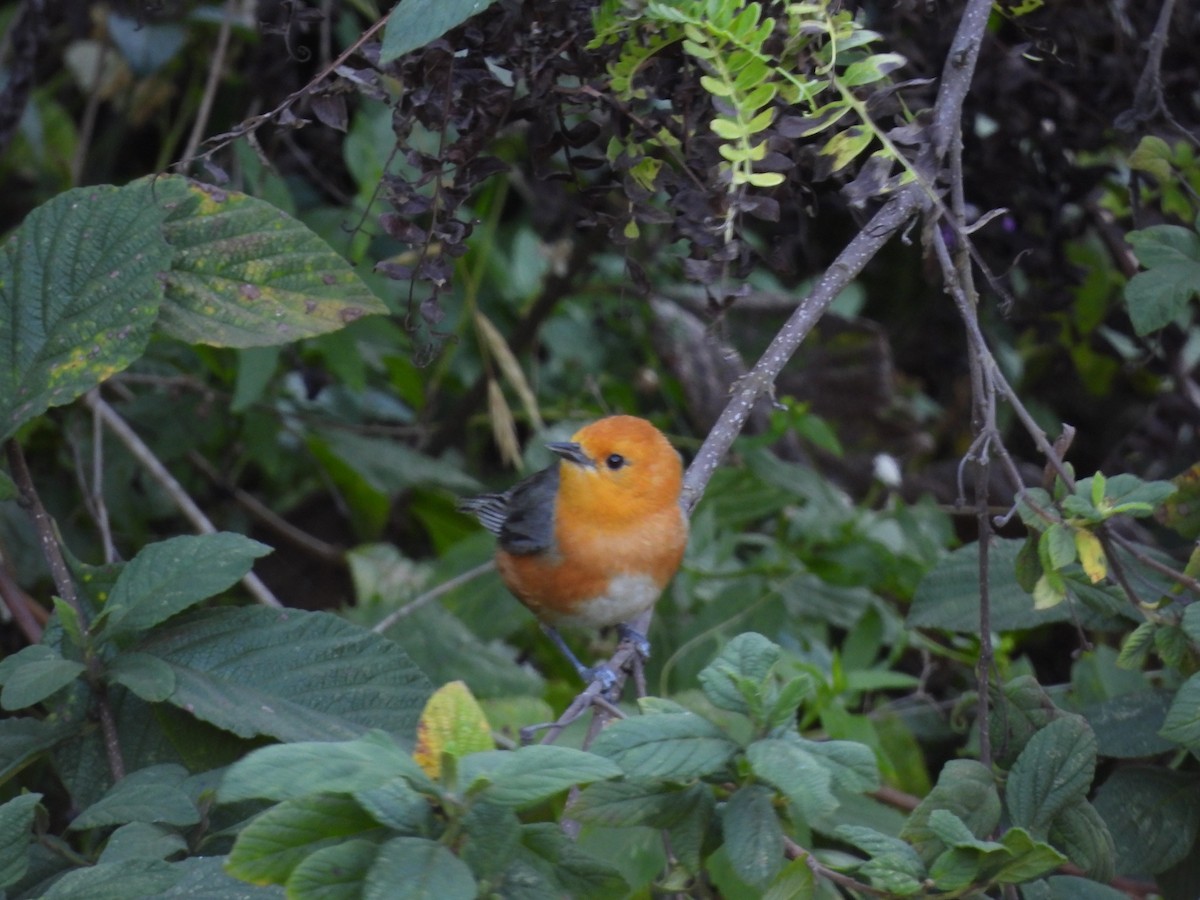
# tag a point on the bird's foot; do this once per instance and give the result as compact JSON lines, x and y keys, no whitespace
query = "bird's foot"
{"x":638,"y":640}
{"x":601,"y":674}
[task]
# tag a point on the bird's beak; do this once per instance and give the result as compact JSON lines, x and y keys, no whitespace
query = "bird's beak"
{"x":571,"y":452}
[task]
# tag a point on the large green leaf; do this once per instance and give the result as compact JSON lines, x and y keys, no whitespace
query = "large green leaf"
{"x":115,"y":881}
{"x":753,"y":836}
{"x":675,"y":746}
{"x":411,"y":868}
{"x":23,"y":738}
{"x":289,"y":771}
{"x":153,"y":794}
{"x":1183,"y":718}
{"x":1153,"y":815}
{"x":270,"y":847}
{"x":293,"y":675}
{"x":79,"y":293}
{"x":1053,"y":772}
{"x":414,"y":23}
{"x":34,"y":673}
{"x":16,"y":819}
{"x":533,"y":774}
{"x":167,"y":577}
{"x":967,"y":789}
{"x":334,"y":873}
{"x":205,"y":878}
{"x":246,"y":274}
{"x":948,"y":597}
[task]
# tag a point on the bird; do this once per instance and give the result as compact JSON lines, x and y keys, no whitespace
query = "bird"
{"x":594,"y":539}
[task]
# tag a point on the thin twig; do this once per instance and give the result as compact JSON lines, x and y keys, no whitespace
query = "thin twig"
{"x":249,"y":126}
{"x":30,"y":616}
{"x":212,"y":82}
{"x":60,"y":572}
{"x":310,"y":544}
{"x":432,"y":594}
{"x":183,"y":501}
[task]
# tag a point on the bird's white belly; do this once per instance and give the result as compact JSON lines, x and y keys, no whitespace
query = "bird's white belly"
{"x":628,"y":596}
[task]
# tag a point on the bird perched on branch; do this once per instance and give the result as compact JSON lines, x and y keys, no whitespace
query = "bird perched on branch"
{"x":592,"y":540}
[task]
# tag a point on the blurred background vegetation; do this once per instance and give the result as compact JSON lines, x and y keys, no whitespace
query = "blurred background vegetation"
{"x":493,"y":189}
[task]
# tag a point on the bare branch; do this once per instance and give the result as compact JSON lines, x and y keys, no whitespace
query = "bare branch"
{"x":153,"y":465}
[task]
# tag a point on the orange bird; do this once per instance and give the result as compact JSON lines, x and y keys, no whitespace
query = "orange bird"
{"x":593,"y":540}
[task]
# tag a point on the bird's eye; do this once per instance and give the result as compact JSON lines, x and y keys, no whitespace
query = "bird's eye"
{"x":615,"y":461}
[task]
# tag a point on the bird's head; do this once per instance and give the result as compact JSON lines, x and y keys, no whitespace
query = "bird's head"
{"x":618,"y":469}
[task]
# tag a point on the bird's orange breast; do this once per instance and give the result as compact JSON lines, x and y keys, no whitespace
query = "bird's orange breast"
{"x":598,"y":576}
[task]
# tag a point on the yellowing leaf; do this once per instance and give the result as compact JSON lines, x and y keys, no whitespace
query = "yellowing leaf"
{"x":1091,"y":555}
{"x":452,"y":723}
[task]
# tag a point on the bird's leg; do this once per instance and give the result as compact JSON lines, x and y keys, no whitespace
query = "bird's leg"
{"x":636,"y":638}
{"x":602,"y":674}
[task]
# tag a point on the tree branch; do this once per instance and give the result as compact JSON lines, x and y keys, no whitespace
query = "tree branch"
{"x":186,"y":505}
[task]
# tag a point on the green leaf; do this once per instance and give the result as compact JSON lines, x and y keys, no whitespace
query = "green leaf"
{"x":795,"y":882}
{"x":753,"y":836}
{"x":141,"y":840}
{"x":893,"y":865}
{"x":948,"y":597}
{"x":550,"y":852}
{"x":1183,"y":718}
{"x":153,"y":794}
{"x":415,"y":23}
{"x":79,"y":293}
{"x":1080,"y":833}
{"x":871,"y":69}
{"x":1137,"y":646}
{"x":674,"y":746}
{"x":1171,"y":255}
{"x":1128,"y":726}
{"x":289,"y":674}
{"x":965,"y":788}
{"x":115,"y":881}
{"x":750,"y":656}
{"x":246,"y":274}
{"x":147,"y":676}
{"x":205,"y":878}
{"x":34,"y":673}
{"x":493,"y":834}
{"x":396,"y":805}
{"x":167,"y":577}
{"x":411,"y":868}
{"x":621,"y":804}
{"x":16,"y":820}
{"x":529,"y":775}
{"x":1152,"y":155}
{"x":22,"y":739}
{"x":846,"y":145}
{"x":1030,"y":858}
{"x":1153,"y":815}
{"x":334,"y":873}
{"x":271,"y":846}
{"x":791,"y":766}
{"x":290,"y":771}
{"x":1054,"y":771}
{"x":1057,"y":544}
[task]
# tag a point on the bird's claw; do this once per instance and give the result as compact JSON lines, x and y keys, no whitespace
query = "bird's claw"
{"x":638,"y":640}
{"x":603,"y":675}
